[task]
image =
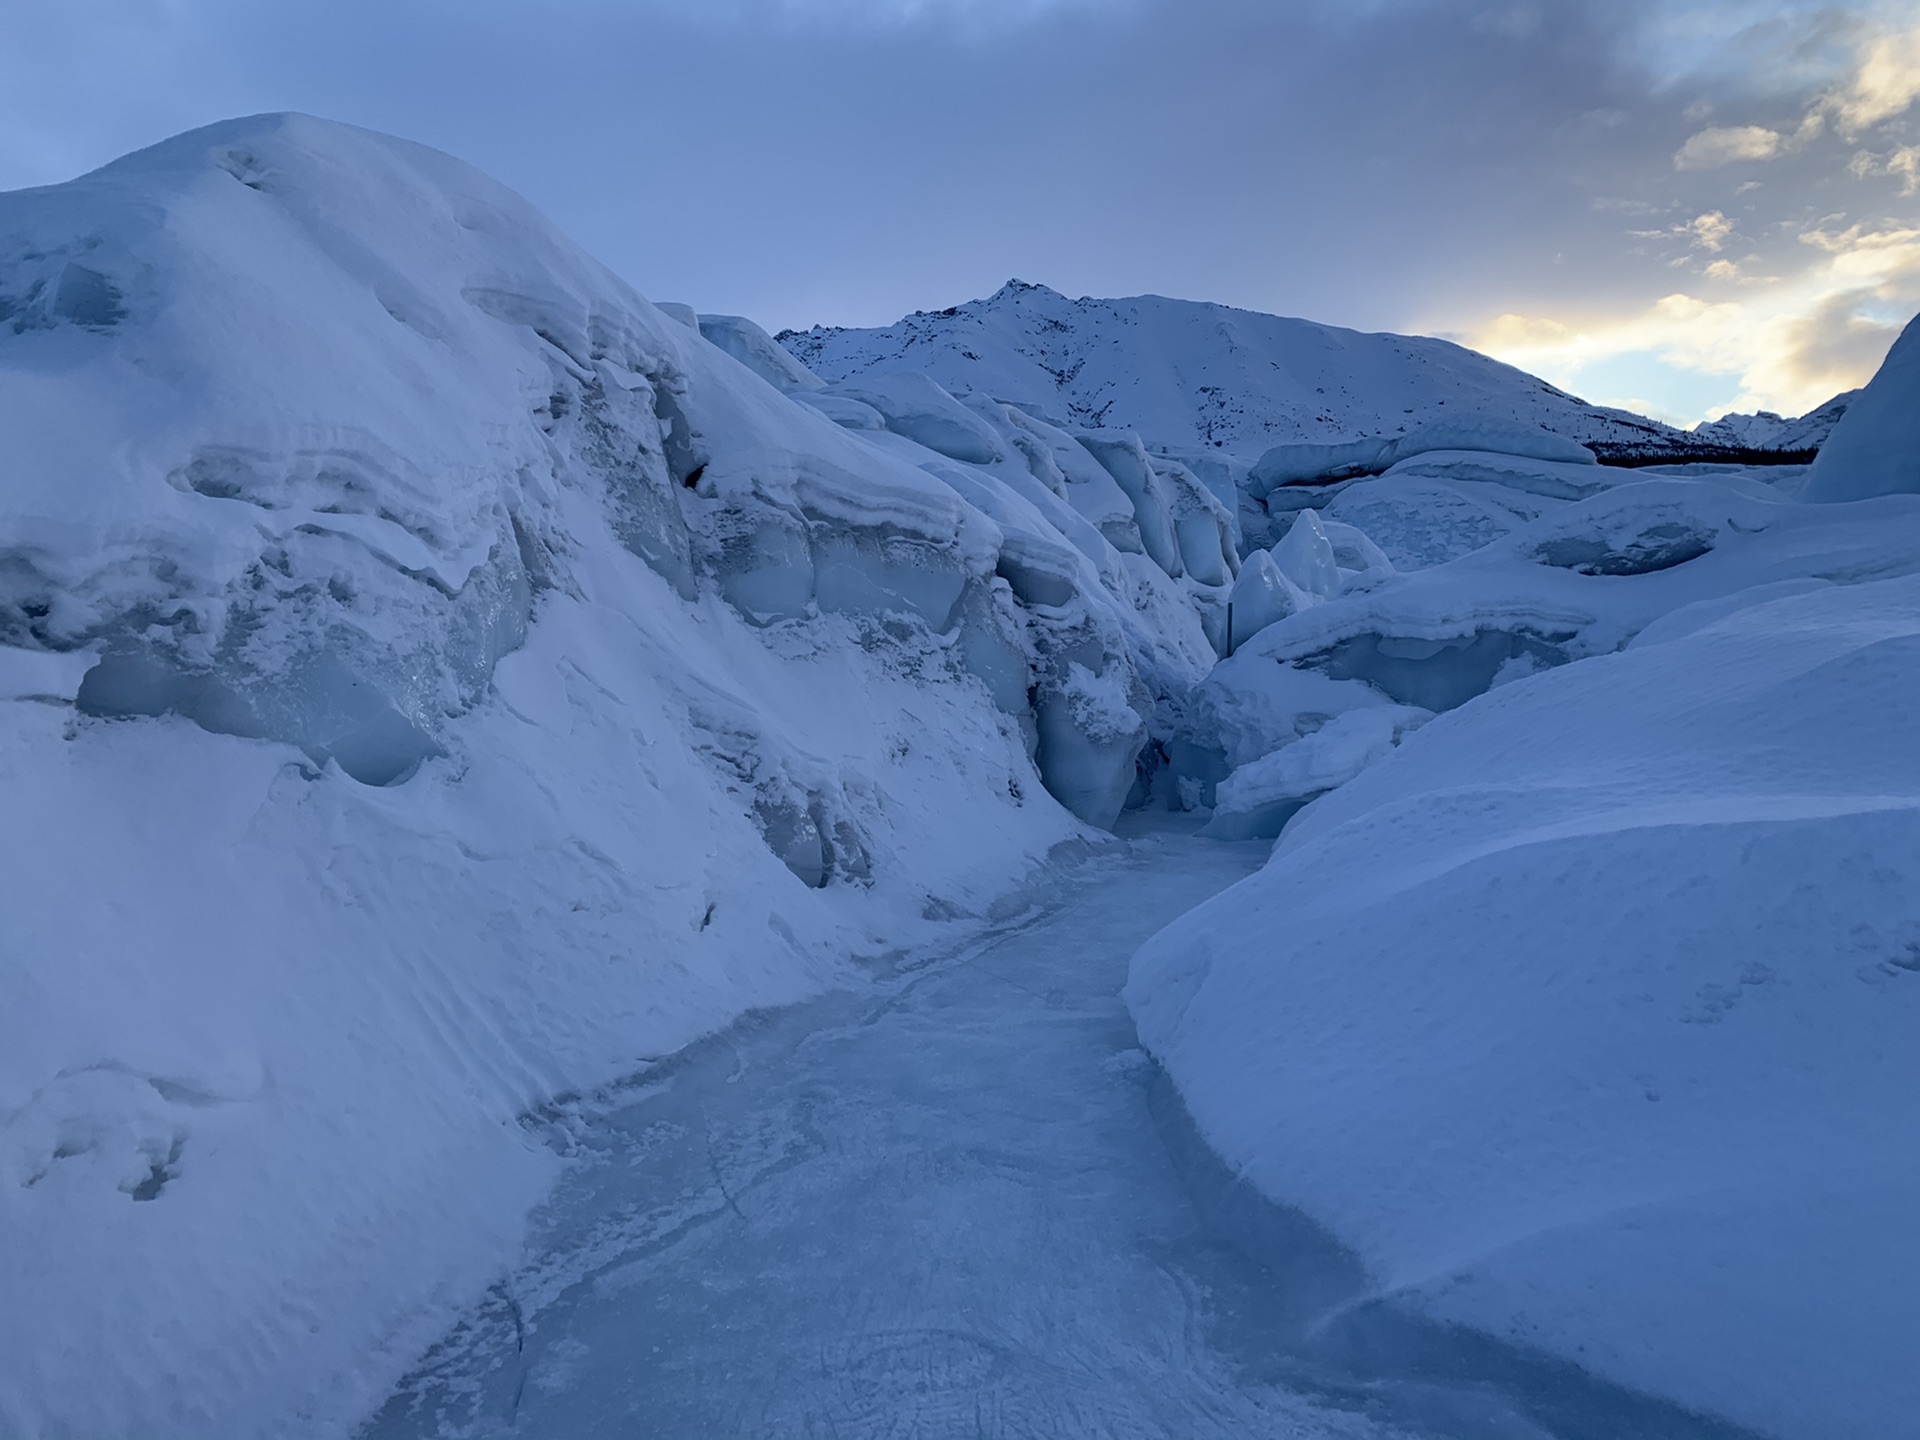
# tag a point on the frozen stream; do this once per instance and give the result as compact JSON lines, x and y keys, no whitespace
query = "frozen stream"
{"x":958,"y":1202}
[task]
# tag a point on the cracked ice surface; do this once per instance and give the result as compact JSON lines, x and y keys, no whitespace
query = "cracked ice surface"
{"x":933,"y":1206}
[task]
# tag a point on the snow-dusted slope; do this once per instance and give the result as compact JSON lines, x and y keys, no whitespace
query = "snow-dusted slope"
{"x":1193,"y":376}
{"x":432,"y":680}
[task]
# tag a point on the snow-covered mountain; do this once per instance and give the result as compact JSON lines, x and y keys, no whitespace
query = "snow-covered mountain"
{"x":1192,"y":376}
{"x":1764,"y":430}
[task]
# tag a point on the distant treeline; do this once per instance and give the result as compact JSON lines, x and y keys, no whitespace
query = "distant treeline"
{"x":1630,"y":455}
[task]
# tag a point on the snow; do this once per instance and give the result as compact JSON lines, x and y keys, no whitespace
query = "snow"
{"x":1581,"y":1016}
{"x":1875,"y":449}
{"x":1764,"y":430}
{"x":435,"y":680}
{"x":1186,"y":375}
{"x":437,"y":685}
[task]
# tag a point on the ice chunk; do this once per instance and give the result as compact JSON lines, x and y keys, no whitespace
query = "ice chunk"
{"x":915,"y":407}
{"x":1875,"y":449}
{"x":1305,"y":556}
{"x":1353,"y":549}
{"x":683,"y":314}
{"x":1261,"y":596}
{"x":757,"y":350}
{"x":1419,"y":522}
{"x":1090,"y":736}
{"x":1126,"y":460}
{"x":1317,"y":464}
{"x":1257,"y":800}
{"x":847,"y":413}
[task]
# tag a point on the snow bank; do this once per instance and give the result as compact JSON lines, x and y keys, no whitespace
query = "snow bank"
{"x":432,"y":681}
{"x":1875,"y":449}
{"x":1585,"y":1018}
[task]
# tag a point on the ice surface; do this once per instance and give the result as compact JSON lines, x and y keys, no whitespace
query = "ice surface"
{"x":915,"y":407}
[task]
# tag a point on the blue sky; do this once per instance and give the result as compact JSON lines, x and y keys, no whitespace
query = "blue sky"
{"x":1685,"y":207}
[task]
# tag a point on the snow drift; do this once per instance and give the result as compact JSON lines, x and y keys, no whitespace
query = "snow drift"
{"x":433,"y":680}
{"x":1580,"y":1013}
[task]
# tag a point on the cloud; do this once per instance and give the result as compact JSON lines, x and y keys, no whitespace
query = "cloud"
{"x":1726,"y":145}
{"x":1884,"y":84}
{"x":1788,"y":342}
{"x":1709,"y":231}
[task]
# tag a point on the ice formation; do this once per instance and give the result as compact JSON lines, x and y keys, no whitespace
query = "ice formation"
{"x":1582,"y":1016}
{"x":1875,"y":449}
{"x":434,"y":679}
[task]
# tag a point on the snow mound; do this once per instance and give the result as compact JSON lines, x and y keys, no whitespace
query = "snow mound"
{"x":1875,"y":449}
{"x":1584,"y":1016}
{"x":434,"y":680}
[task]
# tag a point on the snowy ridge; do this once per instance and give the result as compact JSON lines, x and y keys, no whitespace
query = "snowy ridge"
{"x":1765,"y":430}
{"x":1193,"y":376}
{"x":434,"y":680}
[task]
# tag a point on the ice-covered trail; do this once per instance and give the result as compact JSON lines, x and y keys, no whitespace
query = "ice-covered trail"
{"x":954,"y":1202}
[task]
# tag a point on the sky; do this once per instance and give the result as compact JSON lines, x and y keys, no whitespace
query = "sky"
{"x":1681,"y":206}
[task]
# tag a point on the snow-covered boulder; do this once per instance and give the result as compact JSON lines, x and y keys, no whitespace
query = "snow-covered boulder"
{"x":1875,"y":449}
{"x":1584,"y":1019}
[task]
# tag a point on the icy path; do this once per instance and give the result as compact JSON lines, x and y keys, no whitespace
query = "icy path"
{"x":944,"y":1205}
{"x":935,"y":1207}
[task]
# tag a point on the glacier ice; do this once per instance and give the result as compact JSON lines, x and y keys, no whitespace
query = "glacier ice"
{"x":1258,"y":798}
{"x":1305,"y":556}
{"x":1875,"y":447}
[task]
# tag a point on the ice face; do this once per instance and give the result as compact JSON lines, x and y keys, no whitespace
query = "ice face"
{"x":1126,"y":460}
{"x":915,"y":407}
{"x":1875,"y":449}
{"x":757,"y":350}
{"x":1261,"y":596}
{"x":1306,"y":557}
